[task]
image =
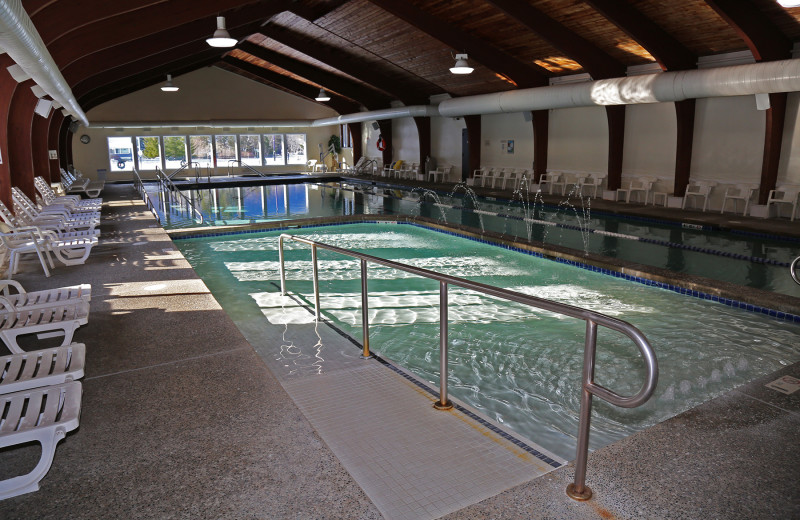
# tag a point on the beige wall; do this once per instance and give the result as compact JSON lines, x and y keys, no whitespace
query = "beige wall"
{"x":206,"y":94}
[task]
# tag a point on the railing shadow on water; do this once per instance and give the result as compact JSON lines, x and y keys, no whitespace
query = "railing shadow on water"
{"x":578,"y":489}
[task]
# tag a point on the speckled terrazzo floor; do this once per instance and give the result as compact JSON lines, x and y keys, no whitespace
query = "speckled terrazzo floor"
{"x":177,"y":423}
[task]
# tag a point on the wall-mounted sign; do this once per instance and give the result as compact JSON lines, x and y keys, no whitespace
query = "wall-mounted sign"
{"x":53,"y":154}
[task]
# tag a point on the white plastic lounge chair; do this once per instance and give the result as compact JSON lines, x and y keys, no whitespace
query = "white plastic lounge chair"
{"x":15,"y":322}
{"x":21,"y":198}
{"x":592,"y":182}
{"x":78,"y":184}
{"x":50,"y":197}
{"x":43,"y":415}
{"x":63,"y":229}
{"x":52,"y":366}
{"x":17,"y":244}
{"x":46,"y":297}
{"x":23,"y":210}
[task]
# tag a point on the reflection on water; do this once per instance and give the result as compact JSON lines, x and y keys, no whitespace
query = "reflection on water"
{"x":520,"y":366}
{"x":525,"y":217}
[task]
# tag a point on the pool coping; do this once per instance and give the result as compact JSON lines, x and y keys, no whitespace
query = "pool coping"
{"x":776,"y":305}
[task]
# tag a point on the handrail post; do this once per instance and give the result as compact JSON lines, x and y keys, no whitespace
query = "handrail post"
{"x":316,"y":280}
{"x":578,"y":489}
{"x":282,"y":267}
{"x":443,"y":403}
{"x":793,"y":270}
{"x":365,"y":310}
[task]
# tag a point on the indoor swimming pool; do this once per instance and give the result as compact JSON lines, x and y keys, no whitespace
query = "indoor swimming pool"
{"x":519,"y":366}
{"x":753,"y":261}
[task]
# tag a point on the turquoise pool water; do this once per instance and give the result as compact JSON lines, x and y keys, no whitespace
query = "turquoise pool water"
{"x":520,"y":366}
{"x":752,"y":261}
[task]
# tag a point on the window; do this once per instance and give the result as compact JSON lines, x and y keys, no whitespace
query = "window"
{"x":174,"y":151}
{"x":200,"y":149}
{"x":273,"y":150}
{"x":120,"y":154}
{"x":226,"y":149}
{"x":345,"y":137}
{"x":250,"y":149}
{"x":148,"y":152}
{"x":295,"y":148}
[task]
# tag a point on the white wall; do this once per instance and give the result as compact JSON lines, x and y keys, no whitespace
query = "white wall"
{"x":446,"y":143}
{"x":578,"y":139}
{"x":496,"y":131}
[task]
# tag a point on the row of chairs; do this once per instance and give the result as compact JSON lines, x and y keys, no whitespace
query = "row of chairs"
{"x":73,"y":182}
{"x":39,"y":391}
{"x":65,"y":226}
{"x":401,"y":170}
{"x":564,"y":182}
{"x":501,"y":177}
{"x":699,"y":192}
{"x":40,"y":395}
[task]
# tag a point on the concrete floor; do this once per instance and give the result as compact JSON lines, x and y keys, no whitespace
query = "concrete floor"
{"x":182,"y":419}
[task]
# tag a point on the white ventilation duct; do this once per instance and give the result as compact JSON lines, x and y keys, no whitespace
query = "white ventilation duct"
{"x":389,"y":113}
{"x":739,"y":80}
{"x":19,"y":38}
{"x":210,"y":123}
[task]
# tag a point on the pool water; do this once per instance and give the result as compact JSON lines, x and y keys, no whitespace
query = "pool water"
{"x":759,"y":262}
{"x":519,"y":366}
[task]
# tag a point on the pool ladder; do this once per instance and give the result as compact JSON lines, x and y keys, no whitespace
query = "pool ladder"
{"x":793,"y":270}
{"x":578,"y":489}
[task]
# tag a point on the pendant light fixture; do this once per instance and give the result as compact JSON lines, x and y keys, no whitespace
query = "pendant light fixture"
{"x":168,"y":86}
{"x":789,"y":3}
{"x":222,"y":37}
{"x":461,"y":66}
{"x":322,"y":96}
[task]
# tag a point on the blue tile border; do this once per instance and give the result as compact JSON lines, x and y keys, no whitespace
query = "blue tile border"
{"x":780,"y":315}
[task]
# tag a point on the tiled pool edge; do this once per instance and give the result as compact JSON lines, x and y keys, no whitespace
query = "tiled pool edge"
{"x":552,"y":253}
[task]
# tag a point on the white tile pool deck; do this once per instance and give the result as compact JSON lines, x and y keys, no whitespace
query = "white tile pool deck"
{"x":182,"y":419}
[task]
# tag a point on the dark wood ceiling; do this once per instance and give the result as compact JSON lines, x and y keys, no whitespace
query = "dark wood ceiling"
{"x":369,"y":53}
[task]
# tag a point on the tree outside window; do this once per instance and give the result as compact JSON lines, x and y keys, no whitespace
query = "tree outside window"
{"x":148,"y":152}
{"x":273,"y":150}
{"x":226,"y":149}
{"x":296,"y":148}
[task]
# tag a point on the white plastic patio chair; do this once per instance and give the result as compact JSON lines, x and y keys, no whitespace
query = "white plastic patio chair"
{"x":477,"y":176}
{"x":52,"y":366}
{"x":784,"y":195}
{"x":641,"y":185}
{"x":440,"y":174}
{"x":488,"y":177}
{"x":551,"y":179}
{"x":17,"y":244}
{"x":44,"y":321}
{"x":699,"y":189}
{"x":42,"y":415}
{"x":743,"y":192}
{"x":592,"y":182}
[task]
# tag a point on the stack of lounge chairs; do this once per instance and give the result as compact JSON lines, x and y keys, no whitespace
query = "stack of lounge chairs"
{"x":76,"y":183}
{"x":40,"y":396}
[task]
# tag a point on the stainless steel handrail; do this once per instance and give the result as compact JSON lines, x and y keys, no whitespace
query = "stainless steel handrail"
{"x":170,"y":186}
{"x":578,"y":489}
{"x":244,"y":165}
{"x":793,"y":270}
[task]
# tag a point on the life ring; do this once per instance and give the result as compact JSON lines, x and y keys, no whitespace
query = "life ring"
{"x":381,"y":144}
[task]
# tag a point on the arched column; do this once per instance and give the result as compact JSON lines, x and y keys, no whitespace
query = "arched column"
{"x":20,"y":122}
{"x":474,"y":143}
{"x":7,"y":88}
{"x":355,"y":139}
{"x":541,"y":136}
{"x":386,"y":131}
{"x":616,"y":144}
{"x":424,"y":133}
{"x":684,"y":113}
{"x":39,"y":139}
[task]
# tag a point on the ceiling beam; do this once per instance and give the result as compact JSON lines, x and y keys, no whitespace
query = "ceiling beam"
{"x":382,"y":75}
{"x":371,"y":99}
{"x":241,"y":22}
{"x":765,"y":41}
{"x":481,"y":51}
{"x":668,"y":51}
{"x":130,"y":26}
{"x":59,"y":18}
{"x":304,"y":90}
{"x":147,"y":79}
{"x":597,"y":63}
{"x":312,"y":12}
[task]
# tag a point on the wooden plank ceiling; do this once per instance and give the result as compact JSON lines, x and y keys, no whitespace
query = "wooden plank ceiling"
{"x":369,"y":53}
